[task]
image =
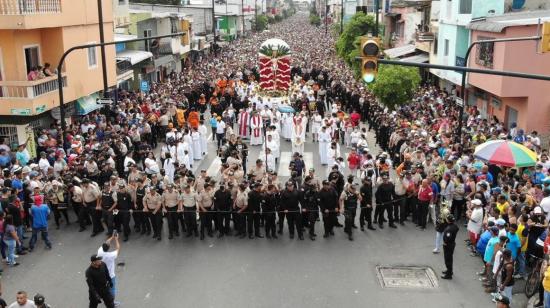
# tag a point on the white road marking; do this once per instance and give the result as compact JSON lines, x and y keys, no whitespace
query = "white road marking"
{"x":284,"y":160}
{"x":214,"y":168}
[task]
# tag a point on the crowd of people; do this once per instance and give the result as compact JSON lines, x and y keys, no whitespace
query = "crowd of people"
{"x":107,"y":172}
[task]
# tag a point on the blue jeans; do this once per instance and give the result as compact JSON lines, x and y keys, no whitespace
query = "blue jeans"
{"x":546,"y":299}
{"x":113,"y":288}
{"x":438,"y":240}
{"x":521,"y":263}
{"x":20,"y":232}
{"x":11,"y":251}
{"x":44,"y":233}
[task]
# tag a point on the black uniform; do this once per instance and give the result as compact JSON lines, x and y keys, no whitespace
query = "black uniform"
{"x":311,"y":205}
{"x":122,"y":219}
{"x":140,"y":222}
{"x":328,"y":202}
{"x":366,"y":205}
{"x":350,"y":209}
{"x":385,"y":194}
{"x":222,"y":204}
{"x":99,"y":284}
{"x":107,"y":201}
{"x":290,"y":201}
{"x":449,"y":237}
{"x":255,"y":200}
{"x":269,"y":207}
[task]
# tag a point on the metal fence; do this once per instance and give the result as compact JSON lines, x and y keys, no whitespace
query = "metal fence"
{"x":29,"y":7}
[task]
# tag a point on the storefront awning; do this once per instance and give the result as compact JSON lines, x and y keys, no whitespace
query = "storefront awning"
{"x":421,"y":58}
{"x":124,"y":37}
{"x":133,"y":56}
{"x":400,"y":51}
{"x":87,"y":104}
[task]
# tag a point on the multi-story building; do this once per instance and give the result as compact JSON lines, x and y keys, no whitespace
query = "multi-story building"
{"x":169,"y":53}
{"x":199,"y":16}
{"x":33,"y":33}
{"x":453,"y":37}
{"x":512,"y":100}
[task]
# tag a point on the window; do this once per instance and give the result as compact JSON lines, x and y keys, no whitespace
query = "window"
{"x":446,"y":48}
{"x":122,"y":2}
{"x":485,"y":52}
{"x":147,"y":33}
{"x":32,"y":57}
{"x":465,"y":7}
{"x":92,"y":57}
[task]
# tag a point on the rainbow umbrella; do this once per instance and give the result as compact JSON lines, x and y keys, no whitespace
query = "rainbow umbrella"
{"x":505,"y":153}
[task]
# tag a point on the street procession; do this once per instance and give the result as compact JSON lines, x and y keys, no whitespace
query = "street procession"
{"x":272,"y":149}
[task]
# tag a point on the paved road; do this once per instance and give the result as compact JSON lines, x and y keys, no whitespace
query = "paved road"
{"x":253,"y":273}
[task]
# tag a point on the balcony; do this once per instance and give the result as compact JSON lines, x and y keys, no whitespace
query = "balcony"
{"x":29,"y":97}
{"x":29,"y":7}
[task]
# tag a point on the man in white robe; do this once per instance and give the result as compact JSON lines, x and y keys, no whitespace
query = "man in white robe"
{"x":189,"y":141}
{"x":243,"y":121}
{"x":256,"y":126}
{"x":196,"y":137}
{"x":316,"y":123}
{"x":274,"y":147}
{"x":204,"y":141}
{"x":287,"y":126}
{"x":324,"y":141}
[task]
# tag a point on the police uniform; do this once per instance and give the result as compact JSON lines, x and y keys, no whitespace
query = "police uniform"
{"x":449,"y":237}
{"x":328,"y":202}
{"x":154,"y":203}
{"x":269,"y":206}
{"x":311,"y":205}
{"x":141,"y":222}
{"x":350,"y":200}
{"x":255,"y":200}
{"x":108,"y":199}
{"x":290,"y":201}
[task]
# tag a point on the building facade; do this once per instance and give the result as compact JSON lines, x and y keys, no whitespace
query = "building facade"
{"x":33,"y":33}
{"x":512,"y":100}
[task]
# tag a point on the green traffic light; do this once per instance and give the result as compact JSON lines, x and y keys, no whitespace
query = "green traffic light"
{"x":368,"y":78}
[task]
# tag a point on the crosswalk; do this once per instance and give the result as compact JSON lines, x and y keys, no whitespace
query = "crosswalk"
{"x":282,"y":169}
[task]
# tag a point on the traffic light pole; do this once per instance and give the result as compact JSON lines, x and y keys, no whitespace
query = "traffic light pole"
{"x":376,"y":8}
{"x":78,"y":47}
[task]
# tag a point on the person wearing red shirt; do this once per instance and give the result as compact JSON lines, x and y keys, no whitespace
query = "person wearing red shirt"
{"x":425,"y":195}
{"x":354,"y":160}
{"x":355,"y":118}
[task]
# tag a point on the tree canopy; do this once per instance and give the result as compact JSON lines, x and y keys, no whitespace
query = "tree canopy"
{"x":395,"y":85}
{"x":347,"y":45}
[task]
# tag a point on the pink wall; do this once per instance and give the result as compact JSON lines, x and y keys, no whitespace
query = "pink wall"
{"x":529,"y":97}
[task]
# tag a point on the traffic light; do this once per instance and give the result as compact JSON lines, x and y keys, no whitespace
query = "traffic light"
{"x":370,"y":47}
{"x":545,"y":39}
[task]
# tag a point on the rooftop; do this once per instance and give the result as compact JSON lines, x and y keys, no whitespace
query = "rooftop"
{"x":499,"y":23}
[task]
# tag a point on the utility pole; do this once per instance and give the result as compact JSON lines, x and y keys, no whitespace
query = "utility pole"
{"x":376,"y":8}
{"x":256,"y":15}
{"x":342,"y":18}
{"x":214,"y":23}
{"x":102,"y":40}
{"x":242,"y":15}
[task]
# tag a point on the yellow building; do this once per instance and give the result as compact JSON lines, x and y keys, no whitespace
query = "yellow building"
{"x":36,"y":32}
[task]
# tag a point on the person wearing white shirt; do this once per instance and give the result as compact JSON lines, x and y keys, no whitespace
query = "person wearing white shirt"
{"x":475,"y":221}
{"x":220,"y":131}
{"x":109,"y":258}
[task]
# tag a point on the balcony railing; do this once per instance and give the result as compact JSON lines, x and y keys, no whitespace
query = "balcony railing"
{"x":424,"y":34}
{"x":29,"y":7}
{"x":29,"y":89}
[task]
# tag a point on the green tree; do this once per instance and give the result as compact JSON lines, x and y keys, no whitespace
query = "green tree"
{"x":315,"y":20}
{"x":262,"y":23}
{"x":347,"y":44}
{"x":395,"y":85}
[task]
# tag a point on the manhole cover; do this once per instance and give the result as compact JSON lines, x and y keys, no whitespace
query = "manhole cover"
{"x":414,"y":277}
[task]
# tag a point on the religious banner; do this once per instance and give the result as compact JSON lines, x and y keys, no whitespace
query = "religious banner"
{"x":274,"y":56}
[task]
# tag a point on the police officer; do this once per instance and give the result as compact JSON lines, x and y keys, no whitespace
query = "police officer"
{"x":206,"y":206}
{"x":141,"y":222}
{"x":385,"y":196}
{"x":348,"y":205}
{"x":189,"y":205}
{"x":239,"y":207}
{"x":310,"y":209}
{"x":366,"y":203}
{"x":171,"y":204}
{"x":107,"y":204}
{"x":253,"y":212}
{"x":328,"y":201}
{"x":124,"y":204}
{"x":290,"y":204}
{"x":449,"y":237}
{"x":222,"y":205}
{"x":152,"y":207}
{"x":269,"y":206}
